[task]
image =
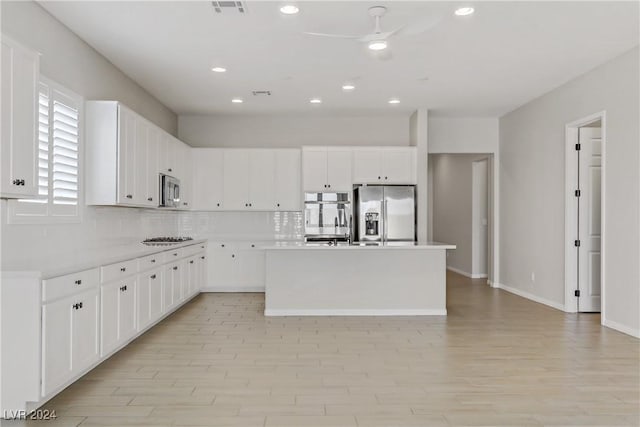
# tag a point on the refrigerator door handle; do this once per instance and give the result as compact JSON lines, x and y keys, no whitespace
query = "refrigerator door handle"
{"x":384,"y":220}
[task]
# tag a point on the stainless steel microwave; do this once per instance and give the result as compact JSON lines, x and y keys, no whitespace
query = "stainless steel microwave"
{"x":169,"y":191}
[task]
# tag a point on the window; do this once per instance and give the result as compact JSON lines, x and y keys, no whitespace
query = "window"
{"x":59,"y":154}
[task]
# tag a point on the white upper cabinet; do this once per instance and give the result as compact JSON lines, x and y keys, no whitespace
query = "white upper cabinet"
{"x":287,"y":183}
{"x":326,"y":169}
{"x":126,"y":153}
{"x":19,"y":141}
{"x":236,"y":179}
{"x":208,"y":179}
{"x":384,"y":165}
{"x":262,"y":168}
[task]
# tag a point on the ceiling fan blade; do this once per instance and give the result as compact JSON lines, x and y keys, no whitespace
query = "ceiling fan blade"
{"x":379,"y":36}
{"x":336,"y":36}
{"x":421,"y":26}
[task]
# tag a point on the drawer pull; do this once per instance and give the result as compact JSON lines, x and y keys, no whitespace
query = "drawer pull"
{"x":253,"y":246}
{"x":233,"y":255}
{"x":222,"y":245}
{"x":123,"y":269}
{"x":123,"y":288}
{"x":153,"y":276}
{"x":201,"y":257}
{"x":191,"y":262}
{"x":175,"y":268}
{"x":153,"y":260}
{"x":175,"y":254}
{"x":129,"y":196}
{"x":78,"y":282}
{"x":77,"y":306}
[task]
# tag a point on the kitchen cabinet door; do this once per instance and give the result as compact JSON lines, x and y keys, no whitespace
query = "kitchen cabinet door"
{"x":155,"y":294}
{"x":314,"y":169}
{"x":56,"y":344}
{"x":127,"y":310}
{"x":250,"y":271}
{"x":236,"y":179}
{"x":140,"y":194}
{"x":202,"y":272}
{"x":18,"y":137}
{"x":339,"y":169}
{"x":262,"y":164}
{"x":85,"y":326}
{"x":185,"y":176}
{"x":192,"y":276}
{"x":287,"y":180}
{"x":208,"y":179}
{"x":221,"y":265}
{"x":153,"y":167}
{"x":126,"y":157}
{"x":144,"y":299}
{"x":398,"y":166}
{"x":367,"y":168}
{"x":167,"y":287}
{"x":109,"y":295}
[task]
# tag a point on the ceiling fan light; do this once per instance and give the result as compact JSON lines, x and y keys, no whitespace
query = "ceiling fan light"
{"x":237,"y":100}
{"x":289,"y":9}
{"x":394,"y":101}
{"x":348,"y":87}
{"x":315,"y":101}
{"x":464,"y":11}
{"x":377,"y":45}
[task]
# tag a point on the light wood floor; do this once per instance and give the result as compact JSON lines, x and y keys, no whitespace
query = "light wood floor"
{"x":497,"y":359}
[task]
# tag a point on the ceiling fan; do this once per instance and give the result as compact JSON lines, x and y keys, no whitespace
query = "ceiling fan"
{"x":377,"y":41}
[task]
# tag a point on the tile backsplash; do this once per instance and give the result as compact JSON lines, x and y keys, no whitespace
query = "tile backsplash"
{"x":111,"y":226}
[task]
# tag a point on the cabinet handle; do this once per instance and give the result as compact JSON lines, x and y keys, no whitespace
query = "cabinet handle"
{"x":329,"y":185}
{"x":278,"y":204}
{"x":80,"y":304}
{"x":153,"y":276}
{"x":170,"y":170}
{"x":18,"y":182}
{"x":201,"y":257}
{"x":233,"y":255}
{"x":222,"y":245}
{"x":123,"y":288}
{"x":75,"y":306}
{"x":386,"y":177}
{"x":218,"y":204}
{"x":153,"y":260}
{"x":175,"y":254}
{"x":78,"y":282}
{"x":129,"y":196}
{"x":123,"y":269}
{"x":253,"y":246}
{"x":150,"y":199}
{"x":190,"y":262}
{"x":175,"y":268}
{"x":185,"y":203}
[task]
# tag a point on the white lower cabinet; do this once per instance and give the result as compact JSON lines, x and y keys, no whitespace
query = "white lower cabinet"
{"x":235,"y":267}
{"x":149,"y":297}
{"x":69,"y":338}
{"x":118,"y":314}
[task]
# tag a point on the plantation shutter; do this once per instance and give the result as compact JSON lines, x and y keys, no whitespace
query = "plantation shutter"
{"x":64,"y":161}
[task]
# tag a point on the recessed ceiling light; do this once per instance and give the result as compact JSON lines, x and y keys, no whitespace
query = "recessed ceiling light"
{"x":218,"y":69}
{"x":464,"y":11}
{"x":348,"y":87}
{"x":377,"y":45}
{"x":394,"y":101}
{"x":315,"y":101}
{"x":289,"y":9}
{"x":237,"y":100}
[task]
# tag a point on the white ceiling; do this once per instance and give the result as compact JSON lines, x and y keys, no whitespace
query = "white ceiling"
{"x":486,"y":64}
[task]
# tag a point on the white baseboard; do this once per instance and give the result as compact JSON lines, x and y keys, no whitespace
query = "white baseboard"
{"x":356,"y":312}
{"x":466,"y":274}
{"x":621,"y":328}
{"x":233,"y":289}
{"x":530,"y":296}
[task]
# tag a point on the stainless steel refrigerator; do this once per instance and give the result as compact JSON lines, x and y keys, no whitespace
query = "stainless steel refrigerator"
{"x":384,"y":213}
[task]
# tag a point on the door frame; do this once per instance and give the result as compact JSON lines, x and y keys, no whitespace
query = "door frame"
{"x":570,"y":220}
{"x":474,"y":237}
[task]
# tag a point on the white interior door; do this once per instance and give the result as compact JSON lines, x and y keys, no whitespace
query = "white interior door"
{"x":480,"y":218}
{"x":589,"y":214}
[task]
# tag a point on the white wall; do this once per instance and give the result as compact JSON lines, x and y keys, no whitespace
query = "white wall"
{"x":68,"y":60}
{"x":452,"y":205}
{"x":532,"y":162}
{"x":463,"y":135}
{"x":292,"y":131}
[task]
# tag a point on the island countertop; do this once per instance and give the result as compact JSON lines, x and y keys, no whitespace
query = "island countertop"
{"x":297,"y":245}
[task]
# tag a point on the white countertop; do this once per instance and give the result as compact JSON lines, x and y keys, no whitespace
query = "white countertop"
{"x":86,"y":259}
{"x":360,"y":246}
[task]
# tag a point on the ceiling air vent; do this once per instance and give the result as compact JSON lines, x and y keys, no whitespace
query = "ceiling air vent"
{"x":228,"y":6}
{"x":261,"y":93}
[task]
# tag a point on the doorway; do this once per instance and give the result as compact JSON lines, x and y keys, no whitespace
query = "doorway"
{"x":584,"y":254}
{"x":480,"y":218}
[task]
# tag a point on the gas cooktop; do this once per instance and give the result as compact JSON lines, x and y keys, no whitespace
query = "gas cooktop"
{"x":160,"y":241}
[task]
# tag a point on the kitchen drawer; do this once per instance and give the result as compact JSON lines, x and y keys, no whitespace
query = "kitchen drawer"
{"x":173,"y":254}
{"x":70,"y":284}
{"x":192,"y":250}
{"x":118,"y":270}
{"x":151,"y":261}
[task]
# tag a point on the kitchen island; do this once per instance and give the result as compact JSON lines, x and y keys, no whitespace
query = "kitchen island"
{"x":401,"y":279}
